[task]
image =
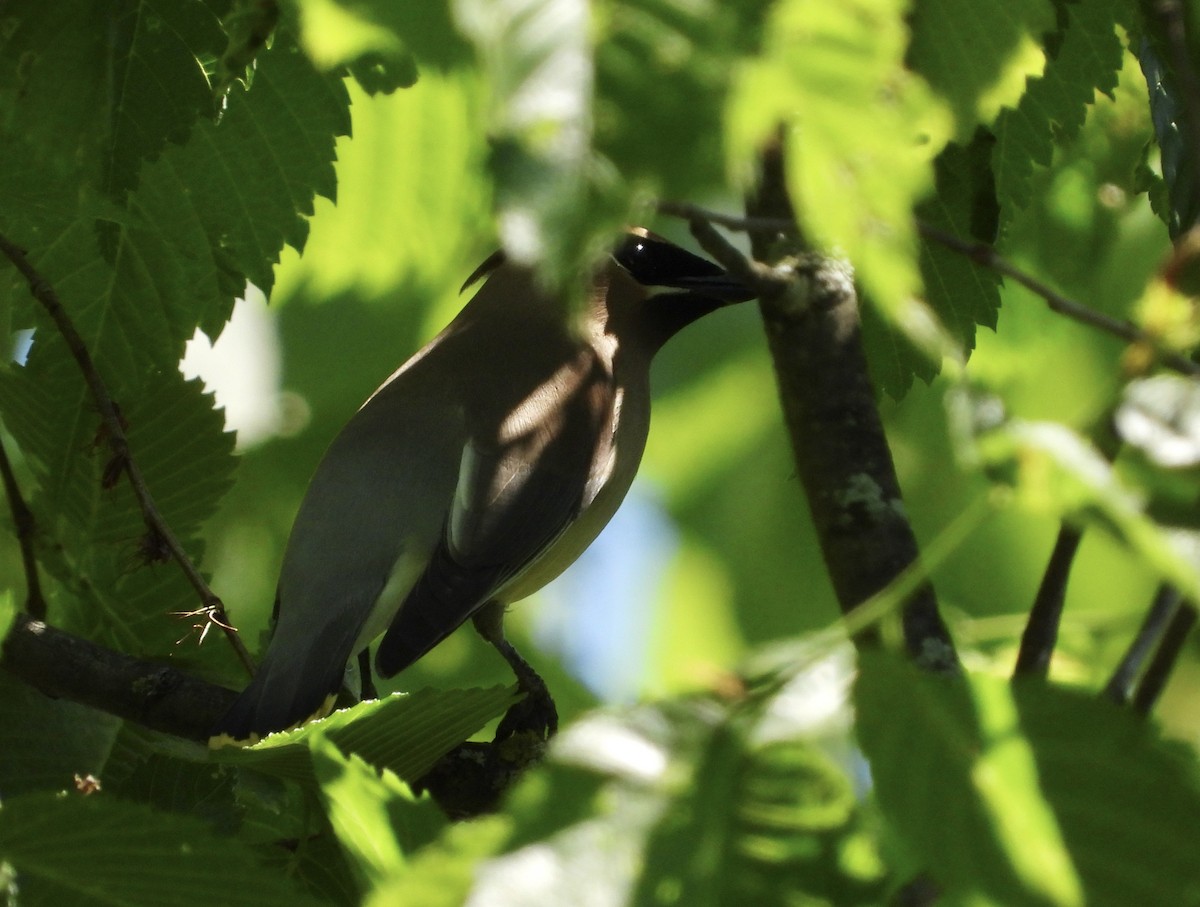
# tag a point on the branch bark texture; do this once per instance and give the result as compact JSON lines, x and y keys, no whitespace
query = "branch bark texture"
{"x":64,"y":666}
{"x":841,"y":452}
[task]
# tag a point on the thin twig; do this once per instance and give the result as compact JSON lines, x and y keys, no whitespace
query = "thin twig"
{"x":1041,"y":632}
{"x":690,"y":212}
{"x":1121,"y":685}
{"x":118,"y":442}
{"x":985,"y":255}
{"x":23,"y":521}
{"x":1155,"y":678}
{"x":980,"y":253}
{"x":765,"y":280}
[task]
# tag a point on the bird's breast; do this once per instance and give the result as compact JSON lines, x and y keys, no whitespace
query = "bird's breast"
{"x":618,"y":451}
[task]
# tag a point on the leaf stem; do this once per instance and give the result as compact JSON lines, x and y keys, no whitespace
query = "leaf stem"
{"x":26,"y":526}
{"x":122,"y":457}
{"x":985,"y":255}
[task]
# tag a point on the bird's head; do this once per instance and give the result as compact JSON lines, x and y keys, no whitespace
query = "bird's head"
{"x":663,"y":288}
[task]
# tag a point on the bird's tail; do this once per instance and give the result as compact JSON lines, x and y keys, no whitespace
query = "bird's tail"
{"x":278,"y":698}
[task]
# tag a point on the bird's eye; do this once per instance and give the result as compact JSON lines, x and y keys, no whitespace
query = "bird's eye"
{"x":631,"y":254}
{"x":658,"y":263}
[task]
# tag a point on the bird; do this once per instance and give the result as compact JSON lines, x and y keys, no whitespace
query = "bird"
{"x":474,"y":475}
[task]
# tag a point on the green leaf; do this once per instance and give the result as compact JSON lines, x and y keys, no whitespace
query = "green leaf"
{"x":101,"y":89}
{"x":674,"y":803}
{"x":1051,"y":469}
{"x":977,"y":56}
{"x":443,"y":874}
{"x":358,"y":802}
{"x":8,"y":613}
{"x":662,"y":70}
{"x":434,"y":176}
{"x":138,"y":276}
{"x":1087,"y":59}
{"x":375,"y":816}
{"x":47,"y":742}
{"x":404,"y":733}
{"x":158,"y":87}
{"x":962,"y":293}
{"x":250,"y":180}
{"x":186,"y":460}
{"x":758,"y":824}
{"x":1127,"y":801}
{"x":555,"y":204}
{"x":382,"y":43}
{"x":184,"y":786}
{"x":959,"y":783}
{"x":1032,"y":795}
{"x":100,"y":851}
{"x":336,"y":32}
{"x":860,"y":133}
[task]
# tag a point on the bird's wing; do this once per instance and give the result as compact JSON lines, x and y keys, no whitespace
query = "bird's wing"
{"x":519,"y":487}
{"x":379,"y":494}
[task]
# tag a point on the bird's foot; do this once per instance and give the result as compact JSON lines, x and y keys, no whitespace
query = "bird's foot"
{"x":535,"y":714}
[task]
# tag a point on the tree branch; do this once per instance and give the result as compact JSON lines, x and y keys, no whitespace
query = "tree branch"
{"x":118,"y":442}
{"x":690,"y":212}
{"x":467,"y":781}
{"x":1160,"y":667}
{"x":157,"y":696}
{"x":1121,"y":685}
{"x":1041,"y":631}
{"x":841,"y":451}
{"x":985,"y":255}
{"x":26,"y":528}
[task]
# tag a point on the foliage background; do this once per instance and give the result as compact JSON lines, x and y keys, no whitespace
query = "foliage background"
{"x":545,"y":125}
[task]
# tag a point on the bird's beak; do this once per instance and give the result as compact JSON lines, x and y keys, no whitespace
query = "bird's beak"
{"x":722,"y":286}
{"x":658,"y":265}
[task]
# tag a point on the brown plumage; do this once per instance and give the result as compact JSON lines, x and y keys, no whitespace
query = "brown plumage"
{"x":476,"y":474}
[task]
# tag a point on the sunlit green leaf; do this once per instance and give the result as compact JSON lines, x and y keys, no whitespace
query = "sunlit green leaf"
{"x":853,"y":178}
{"x":413,"y":199}
{"x":1029,"y":795}
{"x":978,"y":55}
{"x":957,"y":779}
{"x":404,"y":733}
{"x":359,"y":802}
{"x":1051,"y":469}
{"x":1086,"y":60}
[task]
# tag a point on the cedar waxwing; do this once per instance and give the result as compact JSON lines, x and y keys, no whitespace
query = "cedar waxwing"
{"x":476,"y":474}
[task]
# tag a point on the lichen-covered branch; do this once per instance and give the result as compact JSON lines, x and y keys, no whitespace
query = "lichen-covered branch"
{"x":841,"y":452}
